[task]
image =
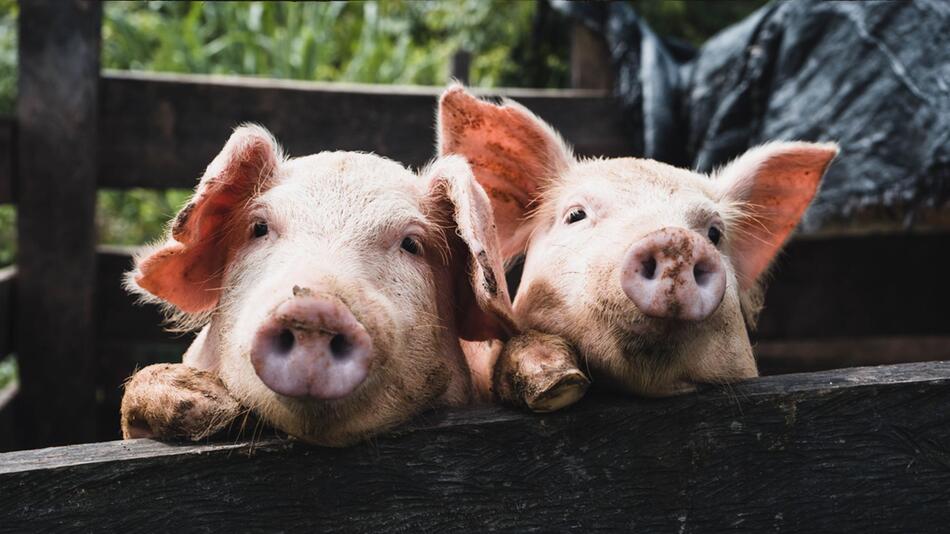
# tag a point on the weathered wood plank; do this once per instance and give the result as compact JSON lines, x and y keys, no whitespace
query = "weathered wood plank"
{"x":57,"y":115}
{"x":784,"y":356}
{"x":161,"y":130}
{"x":591,"y":66}
{"x":7,"y":151}
{"x":877,"y":285}
{"x":858,"y":450}
{"x":7,"y":309}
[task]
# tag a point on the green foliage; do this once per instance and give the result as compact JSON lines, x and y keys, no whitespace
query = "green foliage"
{"x":136,"y":216}
{"x":8,"y":39}
{"x":7,"y":370}
{"x":394,"y":41}
{"x":7,"y":235}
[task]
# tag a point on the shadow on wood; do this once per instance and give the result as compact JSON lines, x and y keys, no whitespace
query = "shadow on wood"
{"x":864,"y":449}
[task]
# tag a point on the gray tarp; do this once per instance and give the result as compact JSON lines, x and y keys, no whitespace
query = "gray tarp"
{"x":874,"y":76}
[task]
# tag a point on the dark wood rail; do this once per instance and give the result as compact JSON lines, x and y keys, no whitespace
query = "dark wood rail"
{"x":865,"y":449}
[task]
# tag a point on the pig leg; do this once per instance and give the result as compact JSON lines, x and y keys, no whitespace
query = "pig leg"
{"x":538,"y":371}
{"x":175,"y":401}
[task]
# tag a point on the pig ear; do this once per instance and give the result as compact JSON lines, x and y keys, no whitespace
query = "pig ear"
{"x":186,"y":270}
{"x":513,"y":154}
{"x":770,"y":187}
{"x":483,"y":307}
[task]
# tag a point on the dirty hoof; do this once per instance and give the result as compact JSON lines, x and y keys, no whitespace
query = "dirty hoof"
{"x":565,"y":391}
{"x":175,"y":401}
{"x":539,"y":372}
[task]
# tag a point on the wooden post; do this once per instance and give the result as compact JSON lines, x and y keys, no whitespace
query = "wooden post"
{"x":57,"y":107}
{"x":590,"y":60}
{"x":461,"y":65}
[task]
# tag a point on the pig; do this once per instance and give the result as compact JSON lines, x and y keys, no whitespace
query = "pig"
{"x":332,"y":293}
{"x":647,"y":276}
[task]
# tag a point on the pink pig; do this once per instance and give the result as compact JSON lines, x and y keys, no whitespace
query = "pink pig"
{"x":331,"y":292}
{"x":650,"y":273}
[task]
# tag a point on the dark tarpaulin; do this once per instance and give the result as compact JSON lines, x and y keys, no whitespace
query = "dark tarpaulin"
{"x":873,"y":76}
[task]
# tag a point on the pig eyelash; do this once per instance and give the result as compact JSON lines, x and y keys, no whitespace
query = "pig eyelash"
{"x":411,"y":245}
{"x":575,"y":215}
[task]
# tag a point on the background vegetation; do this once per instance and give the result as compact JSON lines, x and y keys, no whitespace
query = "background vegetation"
{"x":513,"y":43}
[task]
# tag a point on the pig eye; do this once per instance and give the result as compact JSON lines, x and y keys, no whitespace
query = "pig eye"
{"x":260,"y":229}
{"x":575,"y":215}
{"x":714,"y":234}
{"x":411,"y":246}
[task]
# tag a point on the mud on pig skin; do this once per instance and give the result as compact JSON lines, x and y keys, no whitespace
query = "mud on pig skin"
{"x":331,"y":293}
{"x":650,"y":274}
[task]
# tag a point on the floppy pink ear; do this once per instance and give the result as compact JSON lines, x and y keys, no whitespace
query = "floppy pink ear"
{"x":483,"y":307}
{"x":771,"y":186}
{"x":513,"y":154}
{"x":186,"y":271}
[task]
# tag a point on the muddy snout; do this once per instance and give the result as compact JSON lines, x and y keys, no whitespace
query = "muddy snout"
{"x":673,"y":273}
{"x":312,"y":347}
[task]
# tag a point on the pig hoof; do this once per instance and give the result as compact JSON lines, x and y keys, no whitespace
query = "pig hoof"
{"x":564,"y":392}
{"x":175,"y":401}
{"x":539,"y":372}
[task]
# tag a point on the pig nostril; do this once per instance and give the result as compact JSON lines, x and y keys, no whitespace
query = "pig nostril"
{"x":339,"y":346}
{"x":701,"y":275}
{"x":285,"y":341}
{"x":649,"y":268}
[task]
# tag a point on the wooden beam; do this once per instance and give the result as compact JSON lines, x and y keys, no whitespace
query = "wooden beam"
{"x":57,"y":115}
{"x":851,"y":286}
{"x":7,"y":151}
{"x":809,"y":355}
{"x":858,"y":450}
{"x":591,"y":65}
{"x":162,"y":130}
{"x":7,"y":310}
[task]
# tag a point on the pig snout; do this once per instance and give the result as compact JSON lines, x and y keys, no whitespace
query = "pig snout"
{"x":312,"y":347}
{"x":673,"y":273}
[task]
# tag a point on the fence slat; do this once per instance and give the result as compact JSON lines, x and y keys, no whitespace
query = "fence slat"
{"x":57,"y":108}
{"x":865,"y":448}
{"x":875,"y":285}
{"x":161,"y":130}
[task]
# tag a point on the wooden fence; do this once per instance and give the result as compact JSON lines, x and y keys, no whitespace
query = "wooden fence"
{"x":859,"y":450}
{"x":778,"y":453}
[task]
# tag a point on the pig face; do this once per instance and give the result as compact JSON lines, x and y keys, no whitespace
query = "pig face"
{"x":650,"y":271}
{"x":331,"y":289}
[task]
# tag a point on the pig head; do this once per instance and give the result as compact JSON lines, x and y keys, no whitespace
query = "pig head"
{"x":331,"y":291}
{"x":651,"y":272}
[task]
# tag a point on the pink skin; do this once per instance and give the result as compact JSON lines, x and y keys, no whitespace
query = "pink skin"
{"x":651,"y":273}
{"x":312,"y":347}
{"x":331,"y":291}
{"x":673,"y":273}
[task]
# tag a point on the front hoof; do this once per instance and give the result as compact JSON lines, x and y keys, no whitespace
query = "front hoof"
{"x":539,"y":372}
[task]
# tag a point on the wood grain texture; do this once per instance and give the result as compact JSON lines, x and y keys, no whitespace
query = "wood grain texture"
{"x":57,"y":111}
{"x":7,"y":152}
{"x":161,"y":130}
{"x":591,"y":64}
{"x":858,"y":450}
